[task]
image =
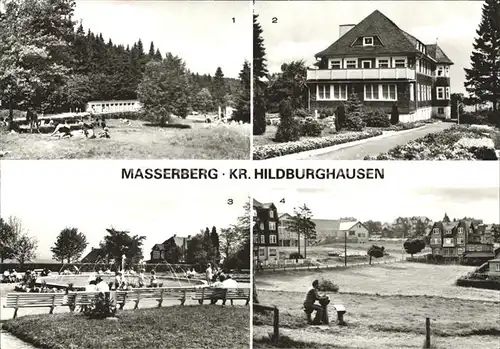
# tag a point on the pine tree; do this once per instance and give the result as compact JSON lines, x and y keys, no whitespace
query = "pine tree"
{"x":242,"y":112}
{"x":289,"y":128}
{"x":158,"y":55}
{"x":259,"y":73}
{"x":483,"y":78}
{"x":219,"y":88}
{"x":151,"y":53}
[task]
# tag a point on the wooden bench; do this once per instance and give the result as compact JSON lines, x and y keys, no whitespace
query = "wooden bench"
{"x":34,"y":300}
{"x":237,"y":294}
{"x":84,"y":299}
{"x":158,"y":294}
{"x":209,"y":293}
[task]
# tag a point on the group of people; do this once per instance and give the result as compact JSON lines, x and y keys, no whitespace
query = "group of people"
{"x":216,"y":277}
{"x":63,"y":129}
{"x":96,"y":281}
{"x":11,"y":275}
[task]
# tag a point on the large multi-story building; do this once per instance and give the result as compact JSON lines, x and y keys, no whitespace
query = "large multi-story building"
{"x":461,"y":240}
{"x":172,"y":250}
{"x":265,"y":232}
{"x":287,"y":238}
{"x":383,"y":65}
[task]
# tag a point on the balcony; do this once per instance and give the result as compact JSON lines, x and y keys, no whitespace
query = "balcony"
{"x":361,"y":74}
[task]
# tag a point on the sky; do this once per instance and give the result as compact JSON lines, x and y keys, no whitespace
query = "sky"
{"x":304,"y":28}
{"x":76,"y":194}
{"x":202,"y":33}
{"x":382,"y":204}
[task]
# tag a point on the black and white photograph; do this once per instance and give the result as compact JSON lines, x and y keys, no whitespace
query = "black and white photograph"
{"x":387,"y":266}
{"x":89,"y":262}
{"x":376,"y":80}
{"x":125,"y":79}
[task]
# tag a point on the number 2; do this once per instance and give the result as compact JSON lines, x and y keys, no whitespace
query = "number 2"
{"x":275,"y":20}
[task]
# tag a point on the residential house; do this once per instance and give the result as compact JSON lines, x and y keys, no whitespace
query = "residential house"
{"x":167,"y":251}
{"x":494,"y":267}
{"x":460,"y":240}
{"x":265,"y":232}
{"x":286,"y":238}
{"x":96,"y":255}
{"x":353,"y":232}
{"x":383,"y":65}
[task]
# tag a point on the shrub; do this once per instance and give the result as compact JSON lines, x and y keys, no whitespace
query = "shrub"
{"x":327,"y":286}
{"x":259,"y":112}
{"x":353,"y":122}
{"x":101,"y":307}
{"x":289,"y":128}
{"x":340,"y":119}
{"x":376,"y":119}
{"x":311,"y":128}
{"x":302,"y":113}
{"x":274,"y":150}
{"x":394,"y":114}
{"x":325,"y":112}
{"x":295,"y":255}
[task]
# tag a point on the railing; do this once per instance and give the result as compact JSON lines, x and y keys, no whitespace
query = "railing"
{"x":362,"y":74}
{"x":276,"y":319}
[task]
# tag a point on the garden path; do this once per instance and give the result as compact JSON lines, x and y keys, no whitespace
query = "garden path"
{"x":375,"y":146}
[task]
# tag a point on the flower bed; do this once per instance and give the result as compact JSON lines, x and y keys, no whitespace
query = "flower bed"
{"x":456,"y":143}
{"x":279,"y":149}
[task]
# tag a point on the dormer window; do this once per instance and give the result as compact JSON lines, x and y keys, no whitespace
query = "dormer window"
{"x":368,"y":41}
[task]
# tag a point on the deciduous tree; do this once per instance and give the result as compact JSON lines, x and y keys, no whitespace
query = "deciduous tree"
{"x":69,"y":245}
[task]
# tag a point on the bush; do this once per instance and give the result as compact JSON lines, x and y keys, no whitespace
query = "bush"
{"x":274,"y":150}
{"x":325,"y":112}
{"x":302,"y":113}
{"x":394,"y":114}
{"x":327,"y":286}
{"x":101,"y":307}
{"x":295,"y":255}
{"x":376,"y":119}
{"x":353,"y":122}
{"x":486,"y":284}
{"x":311,"y":128}
{"x":289,"y":128}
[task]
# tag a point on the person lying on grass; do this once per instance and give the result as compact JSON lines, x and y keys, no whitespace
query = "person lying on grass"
{"x":309,"y":304}
{"x":62,"y":130}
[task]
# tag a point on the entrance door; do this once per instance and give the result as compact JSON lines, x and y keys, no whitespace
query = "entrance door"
{"x":366,"y":64}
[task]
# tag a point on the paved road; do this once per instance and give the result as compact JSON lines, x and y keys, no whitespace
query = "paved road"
{"x":9,"y":341}
{"x":377,"y":146}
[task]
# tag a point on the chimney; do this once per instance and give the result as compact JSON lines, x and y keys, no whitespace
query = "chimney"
{"x":344,"y":28}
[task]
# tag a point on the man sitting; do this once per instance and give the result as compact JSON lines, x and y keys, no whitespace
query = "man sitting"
{"x":309,"y":304}
{"x":63,"y":130}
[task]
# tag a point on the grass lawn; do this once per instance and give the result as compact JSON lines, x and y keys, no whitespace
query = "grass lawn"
{"x":268,"y":136}
{"x":388,"y":314}
{"x":169,"y":327}
{"x":137,"y":141}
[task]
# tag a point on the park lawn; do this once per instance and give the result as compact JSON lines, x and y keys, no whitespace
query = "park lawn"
{"x":415,"y":279}
{"x":137,"y":141}
{"x":204,"y":326}
{"x":375,"y":321}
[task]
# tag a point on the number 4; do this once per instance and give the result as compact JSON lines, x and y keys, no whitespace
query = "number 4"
{"x":282,"y":201}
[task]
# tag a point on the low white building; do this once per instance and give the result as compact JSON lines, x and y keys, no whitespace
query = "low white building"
{"x":104,"y":107}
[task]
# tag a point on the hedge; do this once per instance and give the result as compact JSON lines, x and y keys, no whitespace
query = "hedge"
{"x":486,"y":284}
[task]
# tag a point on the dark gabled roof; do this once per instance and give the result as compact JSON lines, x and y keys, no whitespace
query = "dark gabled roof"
{"x":93,"y":255}
{"x":437,"y":53}
{"x":394,"y":39}
{"x":258,"y":204}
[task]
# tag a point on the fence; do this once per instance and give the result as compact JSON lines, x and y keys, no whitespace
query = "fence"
{"x":323,"y":266}
{"x":276,"y":319}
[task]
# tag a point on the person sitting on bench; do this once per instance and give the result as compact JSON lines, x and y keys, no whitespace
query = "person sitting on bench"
{"x":309,"y":304}
{"x":63,"y":130}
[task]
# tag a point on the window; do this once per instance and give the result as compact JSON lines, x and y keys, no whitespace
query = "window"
{"x":439,"y":71}
{"x":352,"y":233}
{"x":272,"y":239}
{"x":383,"y":62}
{"x":399,"y":62}
{"x":366,"y":64}
{"x":340,"y":92}
{"x":418,"y":92}
{"x":323,"y":92}
{"x":447,"y":93}
{"x":335,"y":64}
{"x":440,"y":92}
{"x":371,"y":92}
{"x":417,"y":65}
{"x":272,"y":252}
{"x":389,"y":92}
{"x":412,"y":92}
{"x":446,"y":71}
{"x":441,"y":111}
{"x":368,"y":41}
{"x":429,"y":93}
{"x":351,"y":63}
{"x":460,"y":230}
{"x":448,"y":241}
{"x":262,"y":239}
{"x":460,"y":241}
{"x":271,"y":213}
{"x":272,"y":225}
{"x":262,"y":253}
{"x":497,"y":266}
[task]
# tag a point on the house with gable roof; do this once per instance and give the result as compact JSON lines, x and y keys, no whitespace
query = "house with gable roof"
{"x":265,"y":231}
{"x":383,"y":65}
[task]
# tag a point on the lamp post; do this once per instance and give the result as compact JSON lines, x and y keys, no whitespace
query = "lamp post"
{"x":123,"y":262}
{"x":345,"y":248}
